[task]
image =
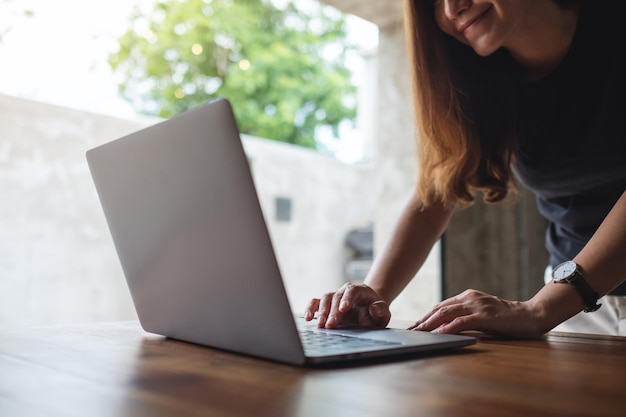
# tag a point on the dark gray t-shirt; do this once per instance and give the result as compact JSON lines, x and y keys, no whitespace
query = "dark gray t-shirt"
{"x":571,"y":148}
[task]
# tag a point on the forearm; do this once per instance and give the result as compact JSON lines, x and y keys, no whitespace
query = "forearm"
{"x":603,"y":259}
{"x":416,"y":231}
{"x":603,"y":265}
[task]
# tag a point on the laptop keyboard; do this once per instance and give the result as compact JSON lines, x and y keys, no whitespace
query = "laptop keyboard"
{"x":318,"y":342}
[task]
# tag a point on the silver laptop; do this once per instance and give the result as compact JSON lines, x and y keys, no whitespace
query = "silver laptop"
{"x":181,"y":206}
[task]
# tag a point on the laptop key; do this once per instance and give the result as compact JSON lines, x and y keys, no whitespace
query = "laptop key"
{"x":317,"y":342}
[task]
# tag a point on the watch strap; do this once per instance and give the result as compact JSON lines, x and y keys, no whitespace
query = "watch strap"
{"x":590,"y":297}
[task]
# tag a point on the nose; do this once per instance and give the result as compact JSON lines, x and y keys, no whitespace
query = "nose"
{"x":455,"y":8}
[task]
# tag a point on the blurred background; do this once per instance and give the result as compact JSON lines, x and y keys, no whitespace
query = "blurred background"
{"x":321,"y":93}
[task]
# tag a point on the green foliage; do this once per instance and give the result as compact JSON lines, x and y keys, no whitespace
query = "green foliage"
{"x":283,"y":69}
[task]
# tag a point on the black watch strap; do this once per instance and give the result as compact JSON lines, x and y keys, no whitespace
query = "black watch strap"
{"x":590,"y":297}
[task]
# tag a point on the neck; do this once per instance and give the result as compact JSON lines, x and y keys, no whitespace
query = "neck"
{"x":545,"y":40}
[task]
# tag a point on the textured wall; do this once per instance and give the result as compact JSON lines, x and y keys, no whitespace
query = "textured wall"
{"x":328,"y":198}
{"x":56,"y":258}
{"x":57,"y":261}
{"x":397,"y":163}
{"x":394,"y":138}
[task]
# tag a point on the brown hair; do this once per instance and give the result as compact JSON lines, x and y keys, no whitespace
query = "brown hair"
{"x":464,"y":108}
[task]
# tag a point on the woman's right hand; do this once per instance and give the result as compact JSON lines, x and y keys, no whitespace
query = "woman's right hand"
{"x":355,"y":304}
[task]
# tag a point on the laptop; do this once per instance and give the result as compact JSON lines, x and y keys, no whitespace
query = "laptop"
{"x":185,"y":219}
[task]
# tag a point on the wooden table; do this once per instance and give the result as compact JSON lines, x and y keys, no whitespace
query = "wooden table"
{"x":117,"y":370}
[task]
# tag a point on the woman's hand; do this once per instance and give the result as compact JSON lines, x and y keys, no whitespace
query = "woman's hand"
{"x":352,"y":304}
{"x":476,"y":310}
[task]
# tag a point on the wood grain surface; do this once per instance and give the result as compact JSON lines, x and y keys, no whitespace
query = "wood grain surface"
{"x":116,"y":369}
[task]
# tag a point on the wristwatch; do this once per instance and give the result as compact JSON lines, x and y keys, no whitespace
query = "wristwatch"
{"x":569,"y":273}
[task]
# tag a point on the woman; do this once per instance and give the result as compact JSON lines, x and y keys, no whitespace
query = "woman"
{"x":506,"y":91}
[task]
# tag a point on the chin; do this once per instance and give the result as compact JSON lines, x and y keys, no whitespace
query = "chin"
{"x":485,"y":44}
{"x":484,"y":51}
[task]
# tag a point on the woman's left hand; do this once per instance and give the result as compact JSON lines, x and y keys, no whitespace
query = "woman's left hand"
{"x":476,"y":310}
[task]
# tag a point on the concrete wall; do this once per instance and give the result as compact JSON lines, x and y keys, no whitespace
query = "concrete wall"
{"x":328,"y":197}
{"x":394,"y":138}
{"x":57,"y":261}
{"x":397,"y":164}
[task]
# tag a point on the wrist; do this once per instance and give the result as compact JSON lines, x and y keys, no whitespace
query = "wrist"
{"x":379,"y":289}
{"x":381,"y":293}
{"x":554,"y":304}
{"x":540,"y":320}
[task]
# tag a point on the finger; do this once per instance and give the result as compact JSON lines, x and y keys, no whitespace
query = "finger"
{"x":380,"y":313}
{"x":461,"y":298}
{"x":461,"y":324}
{"x":349,"y":298}
{"x":311,"y":309}
{"x":493,"y":316}
{"x":427,"y":316}
{"x":335,"y":315}
{"x":462,"y":312}
{"x":442,"y":316}
{"x":418,"y":324}
{"x":324,"y":309}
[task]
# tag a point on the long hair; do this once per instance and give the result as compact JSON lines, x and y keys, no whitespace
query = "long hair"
{"x":465,"y":113}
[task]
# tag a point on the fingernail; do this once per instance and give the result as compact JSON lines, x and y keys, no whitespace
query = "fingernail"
{"x":376,"y":310}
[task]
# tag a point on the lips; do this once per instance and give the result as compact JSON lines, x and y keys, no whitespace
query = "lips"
{"x":471,"y":21}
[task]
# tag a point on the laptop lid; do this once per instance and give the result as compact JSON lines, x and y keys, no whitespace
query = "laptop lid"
{"x":182,"y":209}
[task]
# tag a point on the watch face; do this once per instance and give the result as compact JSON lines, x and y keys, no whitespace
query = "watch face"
{"x":564,"y":270}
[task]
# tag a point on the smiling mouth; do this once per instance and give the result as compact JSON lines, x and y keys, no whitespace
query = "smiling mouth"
{"x":471,"y":23}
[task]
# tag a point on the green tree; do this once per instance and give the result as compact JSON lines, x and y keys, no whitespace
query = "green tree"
{"x":282,"y":68}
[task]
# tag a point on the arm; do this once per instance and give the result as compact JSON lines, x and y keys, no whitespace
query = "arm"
{"x":603,"y":259}
{"x":417,"y":230}
{"x":603,"y":265}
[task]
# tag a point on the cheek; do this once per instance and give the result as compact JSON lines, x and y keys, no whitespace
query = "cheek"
{"x":444,"y":24}
{"x":448,"y":28}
